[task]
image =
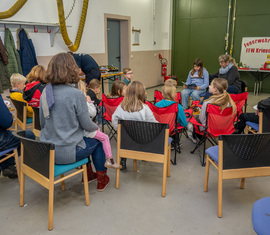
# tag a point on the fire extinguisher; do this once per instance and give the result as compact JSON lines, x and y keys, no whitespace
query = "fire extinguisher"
{"x":164,"y":63}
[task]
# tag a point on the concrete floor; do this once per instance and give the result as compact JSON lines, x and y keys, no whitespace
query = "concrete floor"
{"x":137,"y":206}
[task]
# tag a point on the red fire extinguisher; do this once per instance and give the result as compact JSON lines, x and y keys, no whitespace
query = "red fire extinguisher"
{"x":164,"y":63}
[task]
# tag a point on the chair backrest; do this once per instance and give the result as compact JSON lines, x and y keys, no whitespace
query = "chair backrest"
{"x":266,"y":120}
{"x":110,"y":105}
{"x":243,"y":86}
{"x":158,"y":97}
{"x":219,"y":122}
{"x":240,"y":100}
{"x":245,"y":151}
{"x":36,"y":121}
{"x":166,"y":115}
{"x":143,"y":136}
{"x":21,"y":112}
{"x":36,"y":154}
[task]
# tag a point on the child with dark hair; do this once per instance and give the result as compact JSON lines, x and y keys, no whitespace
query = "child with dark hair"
{"x":196,"y":84}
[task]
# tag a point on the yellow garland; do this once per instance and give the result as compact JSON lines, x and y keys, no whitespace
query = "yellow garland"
{"x":62,"y":23}
{"x":13,"y":10}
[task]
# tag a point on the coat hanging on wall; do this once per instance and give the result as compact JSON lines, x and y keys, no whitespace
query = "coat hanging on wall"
{"x":26,"y":51}
{"x":4,"y":74}
{"x":14,"y":61}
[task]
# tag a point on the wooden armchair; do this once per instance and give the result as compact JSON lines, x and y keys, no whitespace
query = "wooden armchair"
{"x":21,"y":119}
{"x":36,"y":122}
{"x":37,"y":162}
{"x":264,"y":123}
{"x":238,"y":156}
{"x":144,"y":141}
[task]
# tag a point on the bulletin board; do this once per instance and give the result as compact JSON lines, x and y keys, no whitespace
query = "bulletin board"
{"x":254,"y":51}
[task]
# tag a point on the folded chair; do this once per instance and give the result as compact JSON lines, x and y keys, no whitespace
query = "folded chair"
{"x":169,"y":115}
{"x":158,"y":97}
{"x":21,"y":118}
{"x":36,"y":122}
{"x":264,"y":123}
{"x":110,"y":105}
{"x":238,"y":156}
{"x":217,"y":123}
{"x":37,"y":162}
{"x":144,"y":141}
{"x":12,"y":152}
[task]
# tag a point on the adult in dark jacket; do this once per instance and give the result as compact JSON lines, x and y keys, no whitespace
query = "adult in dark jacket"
{"x":252,"y":117}
{"x":26,"y":51}
{"x":7,"y":140}
{"x":4,"y":74}
{"x":88,"y":65}
{"x":14,"y":61}
{"x":228,"y":71}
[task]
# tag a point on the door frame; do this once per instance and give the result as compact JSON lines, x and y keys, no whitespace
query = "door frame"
{"x":125,"y":35}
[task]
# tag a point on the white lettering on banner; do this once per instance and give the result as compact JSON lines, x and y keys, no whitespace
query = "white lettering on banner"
{"x":254,"y":51}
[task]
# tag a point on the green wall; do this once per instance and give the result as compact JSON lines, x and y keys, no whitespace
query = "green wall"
{"x":199,"y":30}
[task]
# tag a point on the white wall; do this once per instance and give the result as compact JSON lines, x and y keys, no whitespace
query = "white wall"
{"x":140,"y":11}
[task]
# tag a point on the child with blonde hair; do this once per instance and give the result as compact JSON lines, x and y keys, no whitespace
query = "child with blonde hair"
{"x":220,"y":96}
{"x":133,"y":108}
{"x":36,"y":84}
{"x":168,"y":93}
{"x":170,"y":82}
{"x":98,"y":135}
{"x":16,"y":92}
{"x":118,"y":89}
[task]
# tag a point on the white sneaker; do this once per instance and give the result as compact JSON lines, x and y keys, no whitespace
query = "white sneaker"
{"x":190,"y":136}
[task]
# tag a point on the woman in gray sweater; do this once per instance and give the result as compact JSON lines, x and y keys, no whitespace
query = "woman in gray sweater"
{"x":64,"y":116}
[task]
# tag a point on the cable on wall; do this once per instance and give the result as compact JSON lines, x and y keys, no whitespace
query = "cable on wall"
{"x":13,"y":10}
{"x":62,"y":23}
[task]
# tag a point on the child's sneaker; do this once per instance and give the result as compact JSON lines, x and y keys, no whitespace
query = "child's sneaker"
{"x":110,"y":163}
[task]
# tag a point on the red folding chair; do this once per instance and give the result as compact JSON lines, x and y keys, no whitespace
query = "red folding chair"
{"x":240,"y":101}
{"x":158,"y":97}
{"x":217,"y":123}
{"x":110,"y":105}
{"x":168,"y":115}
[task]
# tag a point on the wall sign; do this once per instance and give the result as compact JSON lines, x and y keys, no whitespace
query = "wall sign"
{"x":254,"y":51}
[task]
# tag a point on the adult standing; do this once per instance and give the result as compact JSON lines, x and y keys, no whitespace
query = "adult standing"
{"x":64,"y":117}
{"x":229,"y":71}
{"x":88,"y":65}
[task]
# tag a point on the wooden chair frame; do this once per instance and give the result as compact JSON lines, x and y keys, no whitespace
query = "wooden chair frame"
{"x":250,"y":129}
{"x":230,"y":174}
{"x":21,"y":123}
{"x":49,"y":183}
{"x":36,"y":131}
{"x":151,"y":157}
{"x":16,"y":157}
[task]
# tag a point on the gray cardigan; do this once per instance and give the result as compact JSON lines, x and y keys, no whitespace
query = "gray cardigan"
{"x":68,"y":118}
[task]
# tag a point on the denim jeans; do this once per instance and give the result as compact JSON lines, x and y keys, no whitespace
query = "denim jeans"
{"x":195,"y":95}
{"x":7,"y":141}
{"x":94,"y":148}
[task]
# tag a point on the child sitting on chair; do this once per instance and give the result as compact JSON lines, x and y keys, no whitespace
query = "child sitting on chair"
{"x":133,"y":108}
{"x":221,"y":97}
{"x":98,"y":135}
{"x":128,"y":75}
{"x":118,"y":89}
{"x":93,"y":92}
{"x":16,"y":92}
{"x":34,"y":87}
{"x":168,"y":93}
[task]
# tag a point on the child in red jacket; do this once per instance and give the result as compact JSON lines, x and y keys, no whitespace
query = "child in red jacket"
{"x":34,"y":87}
